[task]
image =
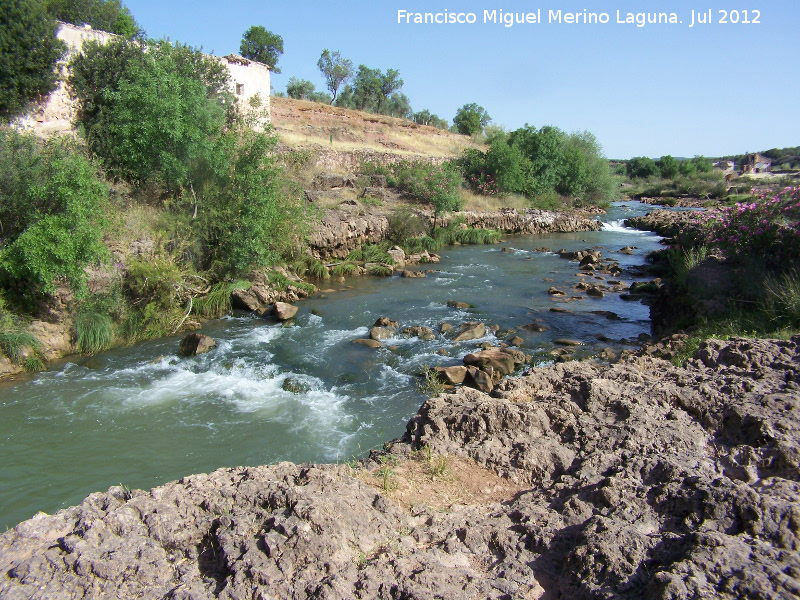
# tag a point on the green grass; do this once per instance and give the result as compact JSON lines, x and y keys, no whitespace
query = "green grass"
{"x":33,"y":364}
{"x":15,"y":343}
{"x":782,"y":300}
{"x":378,"y":270}
{"x":94,"y":332}
{"x":344,"y":268}
{"x":316,"y":270}
{"x":218,"y":301}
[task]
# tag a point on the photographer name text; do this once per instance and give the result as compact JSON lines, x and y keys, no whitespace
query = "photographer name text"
{"x":697,"y":18}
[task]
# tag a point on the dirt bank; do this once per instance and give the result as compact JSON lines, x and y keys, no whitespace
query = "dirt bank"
{"x":637,"y":480}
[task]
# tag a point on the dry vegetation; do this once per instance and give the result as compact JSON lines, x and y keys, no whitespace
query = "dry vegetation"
{"x":301,"y":124}
{"x":437,"y":481}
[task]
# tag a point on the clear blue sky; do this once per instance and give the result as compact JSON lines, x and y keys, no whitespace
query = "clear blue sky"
{"x":713,"y":89}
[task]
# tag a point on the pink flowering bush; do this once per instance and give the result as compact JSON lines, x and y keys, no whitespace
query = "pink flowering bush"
{"x":484,"y":184}
{"x":768,"y":227}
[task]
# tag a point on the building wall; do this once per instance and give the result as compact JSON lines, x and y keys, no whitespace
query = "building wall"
{"x":248,"y":79}
{"x":55,"y":115}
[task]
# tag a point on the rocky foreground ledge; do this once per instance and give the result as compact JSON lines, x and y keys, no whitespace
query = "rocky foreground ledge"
{"x":637,"y":480}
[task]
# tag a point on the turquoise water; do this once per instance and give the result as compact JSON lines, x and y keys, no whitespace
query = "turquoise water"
{"x":140,"y":416}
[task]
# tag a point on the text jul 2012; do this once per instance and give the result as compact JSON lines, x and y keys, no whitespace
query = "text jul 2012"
{"x":585,"y":17}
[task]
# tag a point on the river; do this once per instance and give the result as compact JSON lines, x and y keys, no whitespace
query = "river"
{"x":140,"y":416}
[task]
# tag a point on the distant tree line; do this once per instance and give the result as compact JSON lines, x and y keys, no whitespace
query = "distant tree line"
{"x":642,"y":167}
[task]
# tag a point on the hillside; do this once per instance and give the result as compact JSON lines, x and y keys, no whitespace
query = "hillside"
{"x":303,"y":125}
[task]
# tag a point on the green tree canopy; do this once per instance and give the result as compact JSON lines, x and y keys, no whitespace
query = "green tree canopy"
{"x":335,"y":69}
{"x":154,"y":114}
{"x":263,"y":46}
{"x":470,"y":119}
{"x":668,"y":167}
{"x":29,"y":52}
{"x":641,"y":167}
{"x":105,"y":15}
{"x":299,"y":89}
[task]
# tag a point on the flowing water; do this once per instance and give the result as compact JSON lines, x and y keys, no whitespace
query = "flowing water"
{"x":140,"y":416}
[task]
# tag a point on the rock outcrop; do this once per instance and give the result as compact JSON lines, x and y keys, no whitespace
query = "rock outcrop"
{"x":342,"y":231}
{"x":532,"y":220}
{"x":637,"y":480}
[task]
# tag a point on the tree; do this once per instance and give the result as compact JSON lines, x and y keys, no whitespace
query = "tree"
{"x":29,"y":52}
{"x":151,"y":114}
{"x":702,"y":164}
{"x":105,"y":15}
{"x":399,"y":106}
{"x":366,"y":88}
{"x":299,"y":89}
{"x":263,"y":46}
{"x":388,"y":84}
{"x":335,"y":69}
{"x":641,"y":167}
{"x":668,"y":166}
{"x":470,"y":119}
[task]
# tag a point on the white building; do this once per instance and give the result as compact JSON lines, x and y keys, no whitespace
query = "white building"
{"x":56,"y":114}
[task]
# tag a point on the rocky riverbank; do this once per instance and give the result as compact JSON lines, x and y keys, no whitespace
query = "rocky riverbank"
{"x":349,"y":226}
{"x":637,"y":480}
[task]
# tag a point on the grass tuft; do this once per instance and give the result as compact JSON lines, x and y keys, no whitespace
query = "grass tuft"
{"x":344,"y":268}
{"x":218,"y":301}
{"x":15,"y":343}
{"x":94,"y":332}
{"x":379,"y":270}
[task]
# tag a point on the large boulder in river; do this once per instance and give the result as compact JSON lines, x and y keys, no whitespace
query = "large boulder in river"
{"x":398,"y":255}
{"x":381,"y":333}
{"x":470,"y":331}
{"x":196,"y":343}
{"x":284,"y":311}
{"x":502,"y":360}
{"x":451,"y":375}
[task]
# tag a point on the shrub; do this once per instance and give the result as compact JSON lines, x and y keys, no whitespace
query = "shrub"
{"x":405,"y":225}
{"x":769,"y":226}
{"x":51,"y":207}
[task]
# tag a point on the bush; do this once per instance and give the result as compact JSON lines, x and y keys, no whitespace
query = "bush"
{"x":405,"y":225}
{"x":251,"y":216}
{"x":767,"y":227}
{"x":51,"y":208}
